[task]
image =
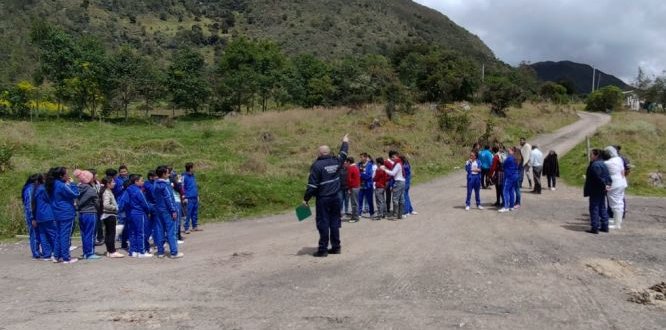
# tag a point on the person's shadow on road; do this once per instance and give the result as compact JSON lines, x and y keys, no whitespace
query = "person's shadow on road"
{"x":582,"y":224}
{"x":307,"y":251}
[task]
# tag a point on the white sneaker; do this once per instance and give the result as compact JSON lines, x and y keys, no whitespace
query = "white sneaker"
{"x":71,"y":261}
{"x":466,"y":208}
{"x":144,"y":255}
{"x":177,"y":256}
{"x":502,"y":210}
{"x":479,"y":207}
{"x":414,"y":213}
{"x":181,"y":242}
{"x":73,"y":247}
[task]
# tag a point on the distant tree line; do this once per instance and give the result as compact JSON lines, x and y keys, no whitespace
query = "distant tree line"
{"x":84,"y":79}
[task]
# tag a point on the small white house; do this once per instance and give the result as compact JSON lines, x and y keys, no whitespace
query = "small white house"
{"x":632,"y":101}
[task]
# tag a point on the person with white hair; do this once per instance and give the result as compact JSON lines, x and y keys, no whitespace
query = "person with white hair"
{"x":615,"y":167}
{"x":324,"y":184}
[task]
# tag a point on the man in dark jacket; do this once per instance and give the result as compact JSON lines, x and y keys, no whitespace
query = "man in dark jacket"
{"x":324,"y":184}
{"x":597,"y":183}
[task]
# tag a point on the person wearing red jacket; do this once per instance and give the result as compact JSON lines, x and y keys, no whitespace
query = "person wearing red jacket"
{"x":354,"y":185}
{"x":381,"y":180}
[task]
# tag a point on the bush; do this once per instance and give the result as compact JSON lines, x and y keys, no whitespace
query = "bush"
{"x":6,"y":153}
{"x":502,"y":93}
{"x":605,"y":99}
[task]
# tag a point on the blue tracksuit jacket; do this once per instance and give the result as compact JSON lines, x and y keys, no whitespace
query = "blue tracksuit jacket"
{"x":62,"y":200}
{"x":510,"y":168}
{"x":138,"y":204}
{"x":366,"y":175}
{"x":27,"y":195}
{"x":164,"y":200}
{"x":190,"y":185}
{"x":149,"y":192}
{"x":485,"y":159}
{"x":43,"y":210}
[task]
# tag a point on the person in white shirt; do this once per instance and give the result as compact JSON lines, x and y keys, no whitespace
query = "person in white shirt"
{"x":525,"y":151}
{"x":398,"y":186}
{"x":536,"y":163}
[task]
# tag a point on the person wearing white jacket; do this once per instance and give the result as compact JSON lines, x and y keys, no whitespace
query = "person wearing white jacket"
{"x":615,"y":195}
{"x":526,"y":152}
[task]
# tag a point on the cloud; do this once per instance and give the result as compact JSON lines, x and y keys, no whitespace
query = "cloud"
{"x":616,"y":36}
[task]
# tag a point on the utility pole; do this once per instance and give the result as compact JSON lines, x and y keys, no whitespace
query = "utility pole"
{"x":594,"y":72}
{"x":483,"y":73}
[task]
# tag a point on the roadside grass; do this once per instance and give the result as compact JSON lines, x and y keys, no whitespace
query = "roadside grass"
{"x":256,"y":164}
{"x":643,"y":139}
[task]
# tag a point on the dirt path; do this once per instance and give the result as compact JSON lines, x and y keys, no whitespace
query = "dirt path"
{"x":445,"y":268}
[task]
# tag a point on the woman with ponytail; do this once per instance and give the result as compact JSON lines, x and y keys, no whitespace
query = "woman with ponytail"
{"x":62,"y":192}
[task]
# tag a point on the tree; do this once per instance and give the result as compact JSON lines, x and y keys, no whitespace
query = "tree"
{"x":132,"y":77}
{"x":185,"y":81}
{"x":501,"y":93}
{"x":553,"y":92}
{"x":19,"y":97}
{"x":606,"y":99}
{"x":309,"y":81}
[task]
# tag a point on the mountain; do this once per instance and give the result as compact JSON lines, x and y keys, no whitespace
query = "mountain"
{"x":577,"y":74}
{"x":326,"y":28}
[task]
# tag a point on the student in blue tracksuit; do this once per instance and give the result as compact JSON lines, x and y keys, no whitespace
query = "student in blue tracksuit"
{"x":88,"y":203}
{"x":62,"y":193}
{"x":148,"y":191}
{"x":473,"y":168}
{"x":43,"y":214}
{"x":123,"y":209}
{"x":511,"y":169}
{"x":366,"y":194}
{"x":407,"y":168}
{"x":139,"y":209}
{"x":27,"y":193}
{"x":165,"y":208}
{"x":191,"y":198}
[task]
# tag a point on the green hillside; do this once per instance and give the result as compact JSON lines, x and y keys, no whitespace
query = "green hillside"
{"x":327,"y":29}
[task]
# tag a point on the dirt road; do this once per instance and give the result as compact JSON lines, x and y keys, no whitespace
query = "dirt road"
{"x":444,"y":268}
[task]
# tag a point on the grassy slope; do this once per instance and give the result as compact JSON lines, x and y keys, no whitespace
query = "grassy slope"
{"x":247,"y":165}
{"x":643,"y":139}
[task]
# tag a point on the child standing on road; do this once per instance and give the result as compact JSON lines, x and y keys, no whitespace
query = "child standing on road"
{"x":380,"y":180}
{"x":28,"y":193}
{"x":139,"y":209}
{"x":191,"y":198}
{"x":43,"y":215}
{"x":62,"y":192}
{"x":551,"y":169}
{"x":165,"y":208}
{"x":473,"y":168}
{"x":87,"y":206}
{"x":109,"y":216}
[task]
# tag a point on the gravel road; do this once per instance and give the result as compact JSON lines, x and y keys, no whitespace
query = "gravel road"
{"x":444,"y":268}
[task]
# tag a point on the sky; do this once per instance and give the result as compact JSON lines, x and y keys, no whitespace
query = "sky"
{"x":615,"y":36}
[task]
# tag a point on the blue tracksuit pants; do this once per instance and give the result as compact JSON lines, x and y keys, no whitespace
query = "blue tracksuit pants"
{"x":127,"y":230}
{"x":64,"y":240}
{"x":328,"y":222}
{"x":192,"y":213}
{"x":598,"y":212}
{"x":87,"y":223}
{"x":48,"y":235}
{"x":34,"y":239}
{"x":509,"y":192}
{"x":366,"y":195}
{"x":408,"y":202}
{"x":139,"y":234}
{"x":166,"y":232}
{"x":473,"y":184}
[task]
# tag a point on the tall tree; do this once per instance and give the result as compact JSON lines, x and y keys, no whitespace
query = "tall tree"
{"x":185,"y":80}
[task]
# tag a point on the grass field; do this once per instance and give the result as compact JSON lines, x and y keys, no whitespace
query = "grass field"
{"x":252,"y":164}
{"x":643,"y":140}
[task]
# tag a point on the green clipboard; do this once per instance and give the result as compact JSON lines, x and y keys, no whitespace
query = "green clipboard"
{"x":303,"y":212}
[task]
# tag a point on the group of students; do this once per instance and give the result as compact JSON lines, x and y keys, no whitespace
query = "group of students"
{"x":120,"y":202}
{"x":383,"y":183}
{"x":506,"y":168}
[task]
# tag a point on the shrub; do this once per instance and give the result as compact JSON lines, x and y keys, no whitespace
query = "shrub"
{"x":502,"y":93}
{"x":605,"y":99}
{"x":6,"y":153}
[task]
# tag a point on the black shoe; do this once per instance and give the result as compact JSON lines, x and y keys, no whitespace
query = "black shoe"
{"x":320,"y":254}
{"x":334,"y":251}
{"x":604,"y":230}
{"x":99,"y":243}
{"x":592,"y":231}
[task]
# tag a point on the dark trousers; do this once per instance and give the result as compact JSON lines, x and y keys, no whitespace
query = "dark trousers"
{"x":484,"y":178}
{"x":328,"y":222}
{"x":388,"y":191}
{"x":366,"y":195}
{"x":598,"y":212}
{"x":99,"y":228}
{"x":537,"y":178}
{"x":110,"y":233}
{"x":552,"y":180}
